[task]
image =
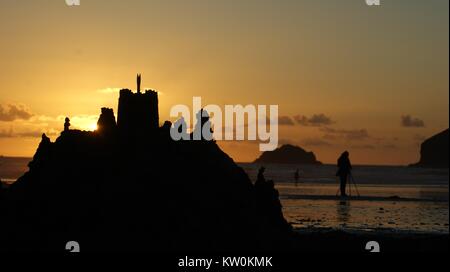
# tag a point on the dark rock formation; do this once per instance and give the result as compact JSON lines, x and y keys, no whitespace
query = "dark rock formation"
{"x":434,"y":151}
{"x":267,"y":201}
{"x":288,"y":154}
{"x":138,"y":112}
{"x":108,"y":190}
{"x":106,"y":124}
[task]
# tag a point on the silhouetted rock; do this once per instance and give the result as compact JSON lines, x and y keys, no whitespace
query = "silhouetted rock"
{"x":434,"y":151}
{"x":288,"y":154}
{"x":267,"y":202}
{"x":116,"y":191}
{"x":106,"y":124}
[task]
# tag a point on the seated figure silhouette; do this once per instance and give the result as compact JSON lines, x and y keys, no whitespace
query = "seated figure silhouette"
{"x":260,"y":178}
{"x":267,"y":201}
{"x":344,"y":169}
{"x":267,"y":186}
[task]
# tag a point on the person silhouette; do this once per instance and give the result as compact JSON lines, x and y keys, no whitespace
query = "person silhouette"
{"x":344,"y":169}
{"x":260,"y":178}
{"x":296,"y":176}
{"x":66,"y":124}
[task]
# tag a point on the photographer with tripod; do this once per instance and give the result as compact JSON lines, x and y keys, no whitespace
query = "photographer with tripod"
{"x":344,"y":171}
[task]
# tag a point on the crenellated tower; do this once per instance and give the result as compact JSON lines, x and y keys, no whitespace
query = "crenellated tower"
{"x":138,"y":112}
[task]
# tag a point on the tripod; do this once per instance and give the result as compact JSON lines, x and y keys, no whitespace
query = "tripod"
{"x":351,"y":180}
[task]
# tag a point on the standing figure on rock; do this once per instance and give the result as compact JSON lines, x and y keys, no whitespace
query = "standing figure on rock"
{"x":66,"y":124}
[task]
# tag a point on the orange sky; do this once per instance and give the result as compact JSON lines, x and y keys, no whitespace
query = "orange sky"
{"x":347,"y":72}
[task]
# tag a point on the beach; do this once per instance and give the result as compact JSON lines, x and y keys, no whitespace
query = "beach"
{"x":392,"y":199}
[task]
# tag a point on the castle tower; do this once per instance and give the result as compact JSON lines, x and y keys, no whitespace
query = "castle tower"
{"x":138,"y":112}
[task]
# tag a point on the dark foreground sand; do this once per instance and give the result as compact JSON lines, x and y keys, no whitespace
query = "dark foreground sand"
{"x":337,"y":240}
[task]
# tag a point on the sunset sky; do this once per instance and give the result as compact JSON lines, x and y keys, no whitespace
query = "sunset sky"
{"x":372,"y":80}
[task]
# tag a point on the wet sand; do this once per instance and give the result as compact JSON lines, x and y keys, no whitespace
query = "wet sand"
{"x":370,"y":212}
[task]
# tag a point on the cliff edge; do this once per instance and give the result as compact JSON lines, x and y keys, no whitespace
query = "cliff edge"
{"x":434,"y":151}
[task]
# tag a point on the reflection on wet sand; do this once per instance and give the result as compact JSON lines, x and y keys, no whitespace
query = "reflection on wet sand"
{"x":343,"y":212}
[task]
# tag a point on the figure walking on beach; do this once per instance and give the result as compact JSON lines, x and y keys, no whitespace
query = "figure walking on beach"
{"x":344,"y":169}
{"x":296,"y":177}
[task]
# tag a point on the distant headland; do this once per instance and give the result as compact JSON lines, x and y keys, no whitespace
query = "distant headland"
{"x":288,"y":154}
{"x":434,"y":151}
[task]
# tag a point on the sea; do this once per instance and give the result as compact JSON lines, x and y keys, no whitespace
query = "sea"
{"x":396,"y":199}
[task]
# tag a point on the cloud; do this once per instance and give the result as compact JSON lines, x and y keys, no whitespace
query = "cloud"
{"x":315,"y":142}
{"x":285,"y":120}
{"x":408,"y":121}
{"x":29,"y":134}
{"x":83,"y":121}
{"x":329,"y":136}
{"x":109,"y":90}
{"x":285,"y":142}
{"x":355,"y":134}
{"x":26,"y":133}
{"x":390,"y":146}
{"x":6,"y":133}
{"x":14,"y":112}
{"x":51,"y":126}
{"x":367,"y":146}
{"x":315,"y":120}
{"x":419,"y":139}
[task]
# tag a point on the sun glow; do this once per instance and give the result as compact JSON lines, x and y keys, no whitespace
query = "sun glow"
{"x":93,"y":127}
{"x":84,"y":122}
